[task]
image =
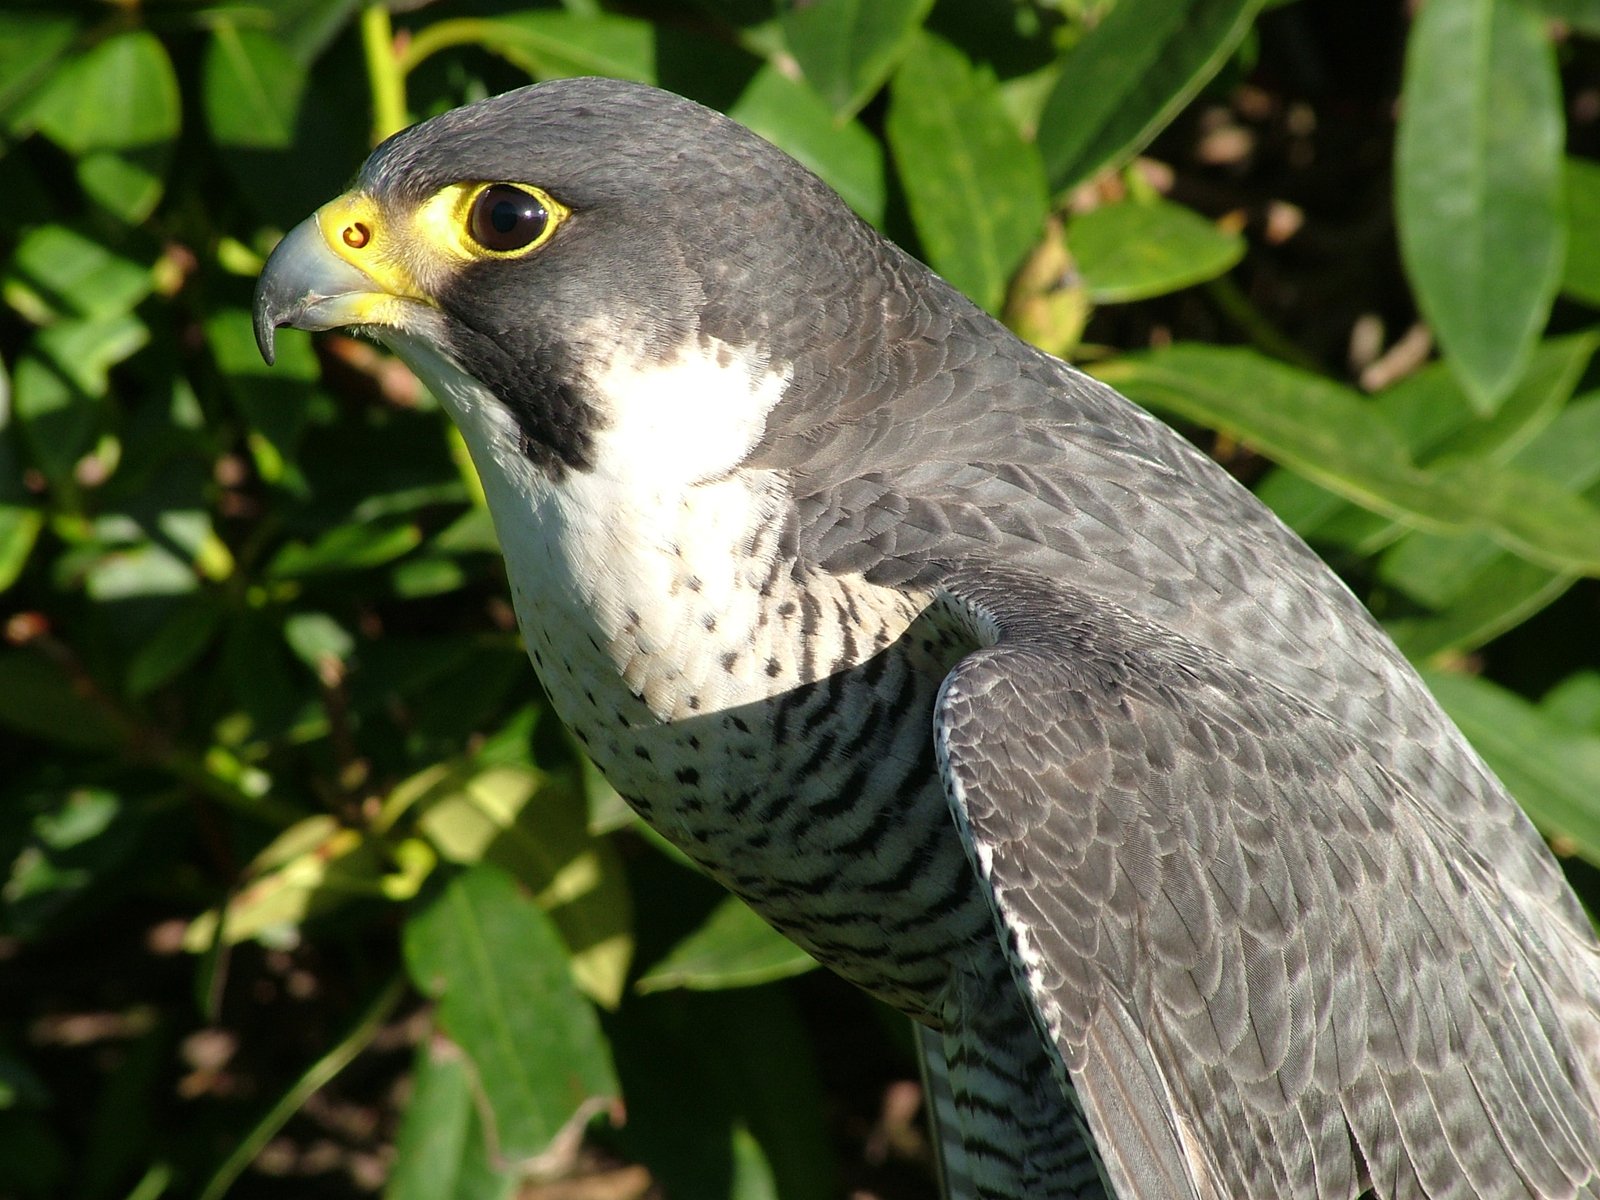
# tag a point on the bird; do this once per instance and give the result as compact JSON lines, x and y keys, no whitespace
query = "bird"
{"x":980,"y":683}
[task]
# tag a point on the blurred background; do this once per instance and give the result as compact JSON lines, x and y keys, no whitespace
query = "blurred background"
{"x":303,"y":891}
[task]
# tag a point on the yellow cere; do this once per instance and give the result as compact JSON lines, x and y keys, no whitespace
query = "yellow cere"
{"x":358,"y":231}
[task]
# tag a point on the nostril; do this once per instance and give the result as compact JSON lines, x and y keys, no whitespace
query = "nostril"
{"x":356,"y":235}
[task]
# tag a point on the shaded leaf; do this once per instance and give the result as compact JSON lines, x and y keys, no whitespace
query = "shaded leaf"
{"x":792,"y":116}
{"x":550,"y":44}
{"x":846,"y":48}
{"x":498,"y":968}
{"x":1129,"y":77}
{"x":32,"y":41}
{"x":1478,"y":185}
{"x":732,"y":948}
{"x":1580,"y":273}
{"x":975,"y":188}
{"x":1137,"y":249}
{"x":57,"y":272}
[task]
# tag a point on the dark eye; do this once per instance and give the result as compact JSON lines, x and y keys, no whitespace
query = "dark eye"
{"x":506,"y":218}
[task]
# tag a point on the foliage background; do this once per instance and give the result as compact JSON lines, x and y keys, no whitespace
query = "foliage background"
{"x":299,"y":885}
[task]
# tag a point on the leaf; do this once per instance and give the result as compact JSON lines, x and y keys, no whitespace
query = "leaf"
{"x":354,"y":547}
{"x":1582,"y":15}
{"x":275,"y":401}
{"x":975,"y":188}
{"x":495,"y":963}
{"x":441,"y":1150}
{"x":1552,"y":770}
{"x":526,"y":823}
{"x":31,"y":43}
{"x":19,"y":532}
{"x":116,"y":108}
{"x":1478,"y":185}
{"x":555,"y":45}
{"x":182,"y":638}
{"x":1580,"y":273}
{"x":846,"y":48}
{"x":1130,"y":76}
{"x":844,"y":154}
{"x":57,"y":272}
{"x":1135,"y":249}
{"x":731,"y":948}
{"x":38,"y":697}
{"x":1330,"y":435}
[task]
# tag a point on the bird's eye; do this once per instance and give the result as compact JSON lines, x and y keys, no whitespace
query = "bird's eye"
{"x":506,"y":218}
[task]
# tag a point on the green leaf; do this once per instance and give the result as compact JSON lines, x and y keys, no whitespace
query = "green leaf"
{"x":40,"y":698}
{"x":354,"y":547}
{"x":1130,"y":76}
{"x":182,"y":638}
{"x":274,"y":401}
{"x":530,"y":825}
{"x":497,"y":966}
{"x":442,"y":1148}
{"x":846,"y":48}
{"x":1580,"y":275}
{"x":1478,"y":185}
{"x":792,"y":116}
{"x":1332,"y":436}
{"x":1136,"y":249}
{"x":251,"y":88}
{"x":32,"y":41}
{"x":1552,"y":770}
{"x":975,"y":188}
{"x":116,"y":108}
{"x":731,"y":948}
{"x":19,"y":531}
{"x":1582,"y":15}
{"x":553,"y":45}
{"x":58,"y":272}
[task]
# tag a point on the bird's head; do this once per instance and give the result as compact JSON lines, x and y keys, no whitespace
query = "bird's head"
{"x":541,"y":249}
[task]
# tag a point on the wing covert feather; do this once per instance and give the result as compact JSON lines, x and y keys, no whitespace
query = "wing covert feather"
{"x":1226,"y":910}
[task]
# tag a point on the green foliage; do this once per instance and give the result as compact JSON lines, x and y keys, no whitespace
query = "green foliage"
{"x":260,"y":696}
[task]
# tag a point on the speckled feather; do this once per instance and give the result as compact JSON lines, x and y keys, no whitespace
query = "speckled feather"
{"x":996,"y":694}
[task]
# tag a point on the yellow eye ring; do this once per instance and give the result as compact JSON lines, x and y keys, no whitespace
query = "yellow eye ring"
{"x":493,"y":219}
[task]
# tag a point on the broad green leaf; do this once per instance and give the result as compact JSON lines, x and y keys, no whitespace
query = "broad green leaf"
{"x":975,"y":188}
{"x":497,"y":966}
{"x":116,"y":108}
{"x":792,"y":116}
{"x":1331,"y":435}
{"x":536,"y":828}
{"x":846,"y":48}
{"x":732,"y":948}
{"x":551,"y":45}
{"x":752,"y":1173}
{"x":31,"y":43}
{"x":19,"y":531}
{"x":182,"y":638}
{"x":1138,"y":249}
{"x":1433,"y":416}
{"x":58,"y":272}
{"x":1478,"y":185}
{"x":354,"y":547}
{"x":442,"y":1149}
{"x":1575,"y":701}
{"x":1130,"y":76}
{"x":1580,"y":275}
{"x":1479,"y":589}
{"x":252,"y":89}
{"x":39,"y":697}
{"x":1552,"y":770}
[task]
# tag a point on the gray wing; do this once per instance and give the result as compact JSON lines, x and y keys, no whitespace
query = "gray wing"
{"x":1271,"y":970}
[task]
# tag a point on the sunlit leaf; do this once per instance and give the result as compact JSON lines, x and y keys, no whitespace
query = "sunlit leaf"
{"x":846,"y":48}
{"x":551,"y":44}
{"x":1478,"y":185}
{"x":1137,"y":249}
{"x":57,"y":271}
{"x":442,"y":1148}
{"x":731,"y":948}
{"x":116,"y":108}
{"x":498,"y":968}
{"x":974,"y":186}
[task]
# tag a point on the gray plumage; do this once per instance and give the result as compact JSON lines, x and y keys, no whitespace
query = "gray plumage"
{"x":986,"y":687}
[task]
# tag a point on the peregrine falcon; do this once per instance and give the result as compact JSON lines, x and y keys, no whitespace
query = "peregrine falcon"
{"x":971,"y":677}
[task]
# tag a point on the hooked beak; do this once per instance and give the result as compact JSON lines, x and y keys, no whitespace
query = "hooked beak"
{"x":306,"y":285}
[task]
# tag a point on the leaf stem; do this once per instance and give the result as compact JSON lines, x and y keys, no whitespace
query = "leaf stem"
{"x":385,"y":76}
{"x":316,"y":1075}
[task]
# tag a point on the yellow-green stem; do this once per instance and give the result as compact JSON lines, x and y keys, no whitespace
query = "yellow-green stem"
{"x":442,"y":35}
{"x":385,"y":75}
